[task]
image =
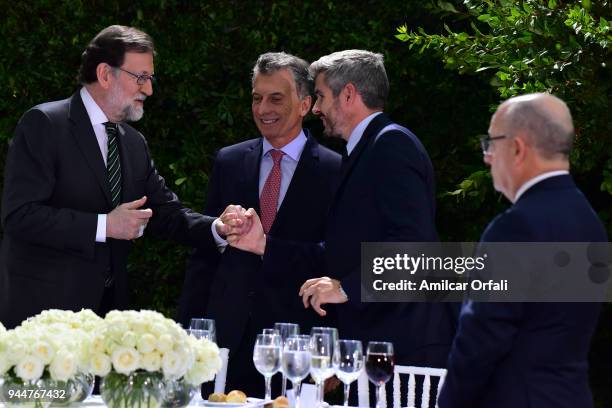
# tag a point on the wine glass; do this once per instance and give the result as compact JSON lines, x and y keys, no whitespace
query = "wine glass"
{"x":332,"y":332}
{"x":320,"y":363}
{"x":286,"y":330}
{"x":379,"y":365}
{"x":204,"y":328}
{"x":271,"y":331}
{"x":267,"y":358}
{"x":348,"y":363}
{"x":296,"y":362}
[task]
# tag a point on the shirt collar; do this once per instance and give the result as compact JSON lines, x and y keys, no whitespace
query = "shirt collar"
{"x":96,"y":115}
{"x":357,"y":133}
{"x":535,"y":180}
{"x":292,"y":149}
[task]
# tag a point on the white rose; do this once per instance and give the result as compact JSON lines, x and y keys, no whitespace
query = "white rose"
{"x":151,"y":361}
{"x":146,"y":343}
{"x":29,"y":368}
{"x":129,"y":339}
{"x":63,"y":367}
{"x":100,"y":365}
{"x":5,"y":364}
{"x":125,"y":360}
{"x":165,"y":343}
{"x":44,"y":351}
{"x":172,"y":364}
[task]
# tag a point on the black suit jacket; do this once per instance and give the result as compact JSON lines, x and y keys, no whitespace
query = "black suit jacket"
{"x":55,"y":184}
{"x":531,"y":355}
{"x":385,"y":194}
{"x":243,"y":288}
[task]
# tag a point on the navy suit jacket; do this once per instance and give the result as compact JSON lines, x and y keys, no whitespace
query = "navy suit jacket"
{"x":509,"y":355}
{"x":237,"y":288}
{"x":55,"y":184}
{"x":385,"y":194}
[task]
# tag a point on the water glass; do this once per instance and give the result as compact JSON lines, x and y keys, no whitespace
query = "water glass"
{"x":348,"y":363}
{"x":332,"y":332}
{"x":267,"y":358}
{"x":296,"y":362}
{"x":204,"y":324}
{"x":285,"y":330}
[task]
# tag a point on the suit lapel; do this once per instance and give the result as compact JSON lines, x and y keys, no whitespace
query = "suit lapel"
{"x":367,"y":139}
{"x":85,"y":138}
{"x":252,"y":160}
{"x":298,"y":193}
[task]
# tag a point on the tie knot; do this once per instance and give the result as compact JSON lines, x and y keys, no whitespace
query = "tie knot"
{"x":111,"y":128}
{"x":277,"y":155}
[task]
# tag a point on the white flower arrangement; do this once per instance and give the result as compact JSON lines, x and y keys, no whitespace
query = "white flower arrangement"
{"x":54,"y":342}
{"x":130,"y":341}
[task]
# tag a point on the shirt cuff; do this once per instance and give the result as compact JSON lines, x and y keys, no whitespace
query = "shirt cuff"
{"x":101,"y":228}
{"x":221,"y":243}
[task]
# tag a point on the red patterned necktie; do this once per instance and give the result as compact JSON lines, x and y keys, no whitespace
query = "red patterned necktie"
{"x":268,"y":201}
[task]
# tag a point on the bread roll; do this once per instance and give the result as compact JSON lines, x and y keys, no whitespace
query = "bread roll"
{"x":217,"y":397}
{"x":236,"y":396}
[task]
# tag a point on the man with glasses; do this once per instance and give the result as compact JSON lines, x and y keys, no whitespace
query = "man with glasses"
{"x":528,"y":354}
{"x":80,"y":184}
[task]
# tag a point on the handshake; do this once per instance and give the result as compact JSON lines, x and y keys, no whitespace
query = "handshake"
{"x":242,"y":229}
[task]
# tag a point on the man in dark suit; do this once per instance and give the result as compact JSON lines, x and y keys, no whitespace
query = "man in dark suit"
{"x":246,"y":294}
{"x":528,"y":354}
{"x":385,"y":193}
{"x":70,"y":165}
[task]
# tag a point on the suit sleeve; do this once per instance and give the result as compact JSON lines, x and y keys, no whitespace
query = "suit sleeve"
{"x":172,"y":220}
{"x":404,"y":195}
{"x":29,"y":181}
{"x":486,"y":331}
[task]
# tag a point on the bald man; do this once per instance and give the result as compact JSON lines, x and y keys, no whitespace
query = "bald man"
{"x":528,"y":354}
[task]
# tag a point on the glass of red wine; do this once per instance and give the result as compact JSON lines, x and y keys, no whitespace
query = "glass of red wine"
{"x":379,"y":366}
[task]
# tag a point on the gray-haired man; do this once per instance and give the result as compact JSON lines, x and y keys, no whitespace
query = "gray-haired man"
{"x":285,"y":174}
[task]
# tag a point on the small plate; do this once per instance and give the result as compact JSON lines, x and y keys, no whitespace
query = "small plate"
{"x":250,"y":401}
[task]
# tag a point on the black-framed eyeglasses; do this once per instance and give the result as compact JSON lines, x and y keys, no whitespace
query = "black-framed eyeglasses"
{"x":485,"y":142}
{"x":141,"y":79}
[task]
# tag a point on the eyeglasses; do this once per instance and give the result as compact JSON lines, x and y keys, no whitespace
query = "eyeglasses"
{"x":141,"y":79}
{"x":485,"y":142}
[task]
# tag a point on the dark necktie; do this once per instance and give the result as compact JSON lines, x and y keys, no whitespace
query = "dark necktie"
{"x":268,"y":202}
{"x":113,"y":165}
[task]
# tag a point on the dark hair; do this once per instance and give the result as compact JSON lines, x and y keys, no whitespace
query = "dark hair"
{"x":110,"y":46}
{"x":274,"y":61}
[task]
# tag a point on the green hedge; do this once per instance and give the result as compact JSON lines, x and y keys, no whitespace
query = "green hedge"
{"x":205,"y":52}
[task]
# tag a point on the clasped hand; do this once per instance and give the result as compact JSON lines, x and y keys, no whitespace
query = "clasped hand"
{"x":242,"y":229}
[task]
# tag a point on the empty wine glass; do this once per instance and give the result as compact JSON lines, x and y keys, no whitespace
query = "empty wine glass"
{"x":267,"y":358}
{"x":348,"y":363}
{"x":296,"y":362}
{"x":271,"y":331}
{"x":320,"y":366}
{"x":379,"y":365}
{"x":286,"y":330}
{"x":204,"y":328}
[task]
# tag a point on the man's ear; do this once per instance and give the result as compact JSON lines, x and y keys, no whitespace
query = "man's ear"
{"x":103,"y":73}
{"x":348,"y":94}
{"x":521,"y":148}
{"x":305,"y":105}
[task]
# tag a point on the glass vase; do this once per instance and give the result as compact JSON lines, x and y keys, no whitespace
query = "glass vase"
{"x":178,"y":393}
{"x":140,"y":389}
{"x":17,"y":393}
{"x":73,"y":391}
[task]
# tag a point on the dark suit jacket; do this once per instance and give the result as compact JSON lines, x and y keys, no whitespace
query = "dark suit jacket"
{"x":528,"y":354}
{"x":242,"y":287}
{"x":55,"y":185}
{"x":385,"y":194}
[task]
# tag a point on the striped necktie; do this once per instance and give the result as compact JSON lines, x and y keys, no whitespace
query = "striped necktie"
{"x":113,"y":165}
